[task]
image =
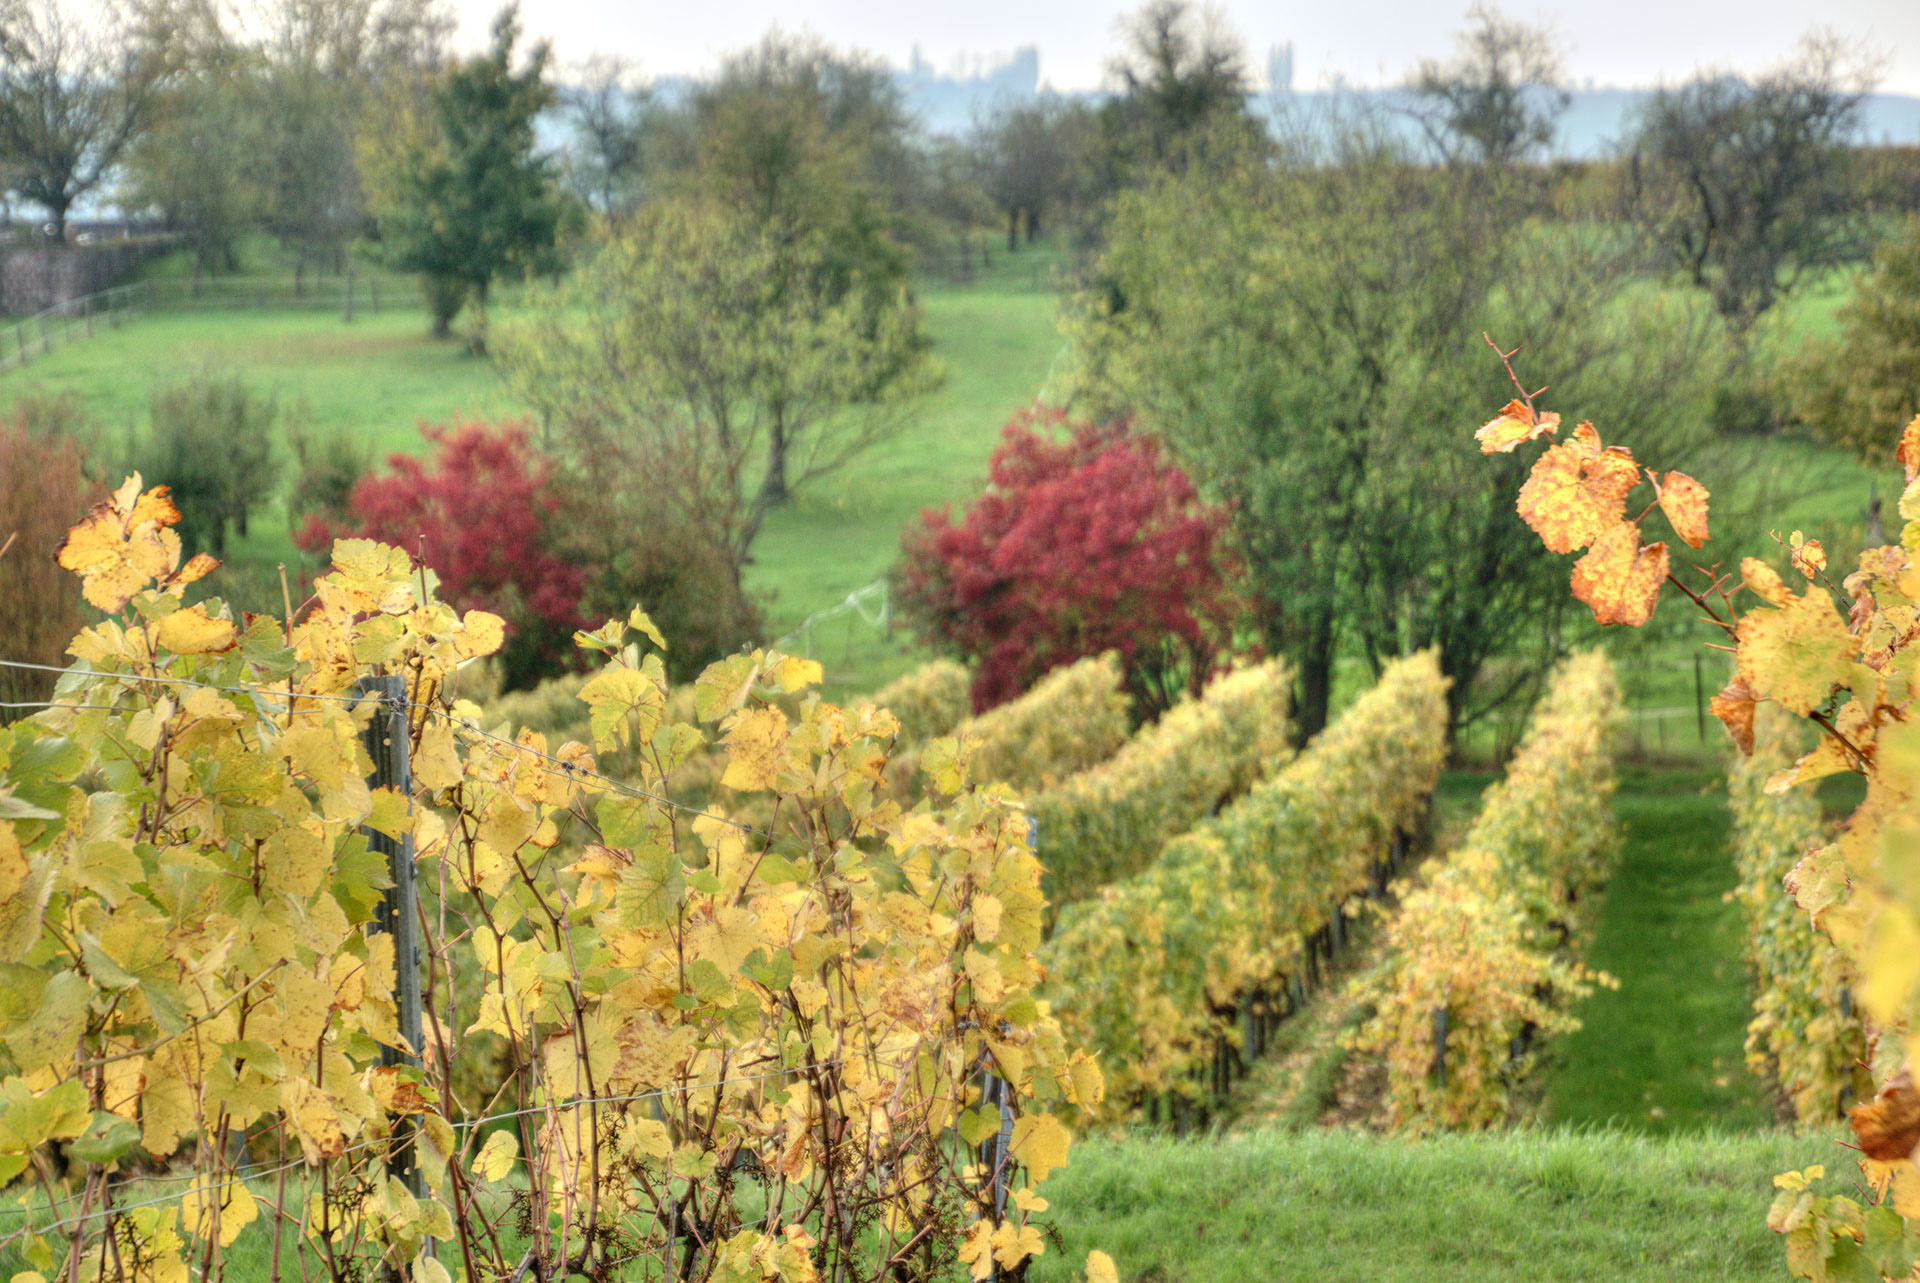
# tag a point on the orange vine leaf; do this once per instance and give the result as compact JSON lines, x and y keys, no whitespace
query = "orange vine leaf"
{"x":1619,"y":579}
{"x":1577,"y":490}
{"x":1513,"y":426}
{"x":1684,"y":500}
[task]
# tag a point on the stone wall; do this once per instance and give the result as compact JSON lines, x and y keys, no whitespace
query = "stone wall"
{"x":34,"y":278}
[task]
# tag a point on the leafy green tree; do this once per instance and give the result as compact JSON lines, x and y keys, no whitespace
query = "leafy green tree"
{"x":462,"y":195}
{"x":1037,"y":158}
{"x":701,"y":369}
{"x":203,"y":160}
{"x":1180,"y":92}
{"x":329,"y":65}
{"x":1300,"y":338}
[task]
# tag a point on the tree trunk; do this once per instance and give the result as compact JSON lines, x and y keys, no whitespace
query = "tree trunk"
{"x":1316,"y":679}
{"x":773,"y":490}
{"x":1013,"y":229}
{"x":1033,"y":222}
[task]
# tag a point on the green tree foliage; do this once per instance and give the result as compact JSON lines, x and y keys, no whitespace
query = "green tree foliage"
{"x":702,"y":368}
{"x":1742,"y":184}
{"x":464,"y":197}
{"x":1299,"y":337}
{"x":1856,"y":390}
{"x":328,"y":65}
{"x":204,"y":159}
{"x":1038,"y":158}
{"x":212,"y":442}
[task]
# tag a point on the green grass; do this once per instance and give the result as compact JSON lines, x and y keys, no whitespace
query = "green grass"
{"x":1663,"y":1053}
{"x":1336,"y":1206}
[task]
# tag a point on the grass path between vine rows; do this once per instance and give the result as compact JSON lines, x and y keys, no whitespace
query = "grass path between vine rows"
{"x":1664,"y":1052}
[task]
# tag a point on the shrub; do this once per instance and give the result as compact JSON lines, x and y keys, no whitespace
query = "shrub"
{"x":931,"y":700}
{"x":1803,"y":1033}
{"x":211,"y":443}
{"x":1108,"y":821}
{"x":480,"y":517}
{"x":43,"y":491}
{"x":326,"y":468}
{"x":1858,"y":389}
{"x":1075,"y":717}
{"x":1078,"y":546}
{"x":1150,"y":973}
{"x":1483,"y":940}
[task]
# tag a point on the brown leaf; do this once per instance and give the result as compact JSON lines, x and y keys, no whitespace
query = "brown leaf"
{"x":1684,"y":500}
{"x":1734,"y":707}
{"x":1888,"y":1126}
{"x":1619,"y":579}
{"x":1577,"y":491}
{"x":1513,"y":426}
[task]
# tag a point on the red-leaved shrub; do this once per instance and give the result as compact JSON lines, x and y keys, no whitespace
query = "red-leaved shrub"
{"x":43,"y":491}
{"x":1079,"y":545}
{"x":480,"y":514}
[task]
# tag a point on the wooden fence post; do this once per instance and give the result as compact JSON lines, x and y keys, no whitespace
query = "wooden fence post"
{"x":388,"y":744}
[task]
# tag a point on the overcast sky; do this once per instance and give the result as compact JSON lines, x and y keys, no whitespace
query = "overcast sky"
{"x":1368,"y":42}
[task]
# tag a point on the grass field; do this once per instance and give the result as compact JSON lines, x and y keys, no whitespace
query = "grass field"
{"x":1664,"y":1052}
{"x":1345,"y":1207}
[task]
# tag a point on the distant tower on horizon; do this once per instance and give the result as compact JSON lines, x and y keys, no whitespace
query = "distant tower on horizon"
{"x":1280,"y":68}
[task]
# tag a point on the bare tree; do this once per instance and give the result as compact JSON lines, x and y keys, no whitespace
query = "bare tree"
{"x":608,"y":113}
{"x":1743,"y":184}
{"x":73,"y":98}
{"x":1497,"y":100}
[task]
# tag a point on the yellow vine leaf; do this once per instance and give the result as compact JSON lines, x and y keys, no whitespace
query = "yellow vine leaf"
{"x":123,"y":545}
{"x":1808,"y":557}
{"x":614,"y":695}
{"x":1577,"y":491}
{"x":13,"y":863}
{"x":1013,"y":1244}
{"x":1513,"y":426}
{"x":435,"y":766}
{"x":1795,"y":653}
{"x":1040,"y":1144}
{"x":1684,"y":500}
{"x":976,"y":1250}
{"x":192,"y":632}
{"x":496,"y":1158}
{"x":756,"y":750}
{"x":1100,"y":1268}
{"x":1619,"y":579}
{"x":235,"y":1202}
{"x":480,"y":633}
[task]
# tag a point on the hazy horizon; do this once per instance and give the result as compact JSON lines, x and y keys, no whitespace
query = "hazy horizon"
{"x":1629,"y":44}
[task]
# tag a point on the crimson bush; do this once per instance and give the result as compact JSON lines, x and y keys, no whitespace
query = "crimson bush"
{"x":1086,"y":539}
